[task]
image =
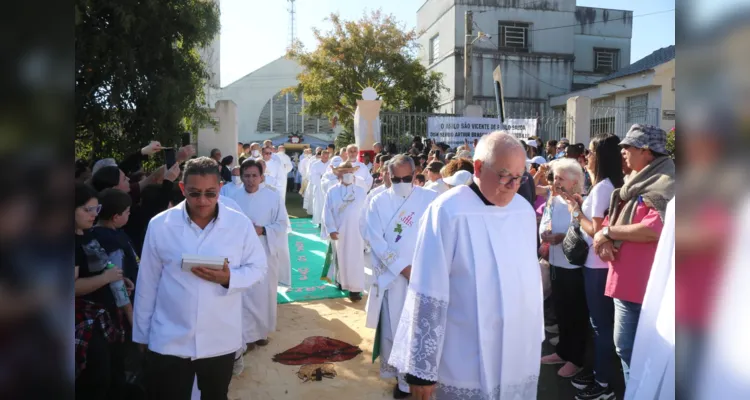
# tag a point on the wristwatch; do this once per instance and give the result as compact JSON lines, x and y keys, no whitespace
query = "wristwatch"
{"x":605,"y":232}
{"x":576,"y":214}
{"x":264,"y":231}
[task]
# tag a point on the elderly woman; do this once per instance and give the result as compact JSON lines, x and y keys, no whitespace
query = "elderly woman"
{"x":568,"y":294}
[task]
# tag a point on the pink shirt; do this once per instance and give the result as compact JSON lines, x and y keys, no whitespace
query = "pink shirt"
{"x":629,"y":272}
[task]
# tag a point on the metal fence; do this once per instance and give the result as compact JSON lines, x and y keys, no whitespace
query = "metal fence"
{"x":618,"y":120}
{"x":399,"y":128}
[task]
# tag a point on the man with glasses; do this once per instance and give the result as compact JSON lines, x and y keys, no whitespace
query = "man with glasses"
{"x":391,"y":227}
{"x":475,"y":289}
{"x":263,"y":207}
{"x":191,"y":321}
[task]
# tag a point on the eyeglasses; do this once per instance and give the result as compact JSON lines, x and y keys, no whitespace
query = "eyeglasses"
{"x":208,"y":195}
{"x":93,"y":209}
{"x":404,"y":179}
{"x":505,"y":179}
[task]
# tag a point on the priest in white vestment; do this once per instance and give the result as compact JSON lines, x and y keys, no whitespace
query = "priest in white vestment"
{"x":274,"y":171}
{"x":652,"y":366}
{"x":342,"y":210}
{"x":263,"y":206}
{"x":472,"y":324}
{"x":362,"y":176}
{"x":330,"y":178}
{"x":435,"y":178}
{"x":391,"y":222}
{"x":316,"y":175}
{"x":302,"y":168}
{"x":309,"y":192}
{"x":286,"y":166}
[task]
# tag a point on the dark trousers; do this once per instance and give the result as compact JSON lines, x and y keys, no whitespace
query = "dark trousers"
{"x":602,"y":312}
{"x":569,"y":297}
{"x":171,"y":378}
{"x":104,"y":376}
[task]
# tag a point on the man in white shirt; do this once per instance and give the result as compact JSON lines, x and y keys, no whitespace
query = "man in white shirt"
{"x":310,"y":189}
{"x":435,"y":178}
{"x":191,"y":321}
{"x":263,"y":207}
{"x":472,"y":321}
{"x":274,"y":170}
{"x":316,"y":175}
{"x":343,"y":208}
{"x":286,"y":166}
{"x":391,"y":232}
{"x":362,"y":176}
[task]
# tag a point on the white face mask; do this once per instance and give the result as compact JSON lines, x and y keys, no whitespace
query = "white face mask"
{"x":402,"y":189}
{"x":236,"y":180}
{"x":256,"y":153}
{"x":348,"y":178}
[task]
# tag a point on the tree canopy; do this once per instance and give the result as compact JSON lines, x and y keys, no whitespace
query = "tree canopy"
{"x":139,"y":74}
{"x":376,"y":51}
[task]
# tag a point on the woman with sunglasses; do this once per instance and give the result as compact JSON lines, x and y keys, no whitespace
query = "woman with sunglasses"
{"x":100,"y":325}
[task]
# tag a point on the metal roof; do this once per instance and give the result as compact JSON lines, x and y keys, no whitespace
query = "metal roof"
{"x":652,"y":60}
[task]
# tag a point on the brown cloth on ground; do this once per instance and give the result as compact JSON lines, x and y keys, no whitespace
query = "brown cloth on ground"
{"x":317,"y":350}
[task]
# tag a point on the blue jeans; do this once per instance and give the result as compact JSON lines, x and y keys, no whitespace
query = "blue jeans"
{"x":626,"y":324}
{"x":601,"y":316}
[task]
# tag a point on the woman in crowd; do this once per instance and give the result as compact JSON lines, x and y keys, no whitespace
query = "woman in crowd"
{"x":568,"y":296}
{"x":226,"y":172}
{"x":100,"y":324}
{"x":605,"y":168}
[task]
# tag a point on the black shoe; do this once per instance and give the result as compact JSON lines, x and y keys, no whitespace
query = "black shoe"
{"x":398,"y":394}
{"x":583,"y":380}
{"x":338,"y":285}
{"x":596,"y":392}
{"x":355,"y":296}
{"x":249,"y":347}
{"x":262,"y":342}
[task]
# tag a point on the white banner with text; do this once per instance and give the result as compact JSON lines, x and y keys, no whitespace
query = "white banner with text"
{"x":455,"y":130}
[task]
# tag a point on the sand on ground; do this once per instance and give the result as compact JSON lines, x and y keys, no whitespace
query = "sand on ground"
{"x":340,"y":319}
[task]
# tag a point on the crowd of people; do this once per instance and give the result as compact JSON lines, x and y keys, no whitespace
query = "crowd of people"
{"x":474,"y":253}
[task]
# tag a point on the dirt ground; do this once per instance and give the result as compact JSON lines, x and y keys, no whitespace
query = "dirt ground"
{"x":340,"y":319}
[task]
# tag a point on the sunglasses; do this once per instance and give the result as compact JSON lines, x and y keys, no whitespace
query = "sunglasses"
{"x":208,"y":195}
{"x":93,"y":209}
{"x":405,"y":179}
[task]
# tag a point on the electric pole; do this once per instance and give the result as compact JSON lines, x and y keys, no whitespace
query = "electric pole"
{"x":468,"y":42}
{"x":292,"y":23}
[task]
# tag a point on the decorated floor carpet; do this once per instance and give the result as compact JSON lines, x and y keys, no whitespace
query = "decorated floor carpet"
{"x":308,"y":254}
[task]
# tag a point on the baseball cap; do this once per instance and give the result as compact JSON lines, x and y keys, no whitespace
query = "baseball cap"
{"x":461,"y":177}
{"x":646,"y":137}
{"x":532,"y":142}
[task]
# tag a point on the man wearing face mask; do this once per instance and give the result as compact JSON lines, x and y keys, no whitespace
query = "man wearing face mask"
{"x":342,"y":209}
{"x":392,"y":223}
{"x":316,"y":175}
{"x":255,"y":150}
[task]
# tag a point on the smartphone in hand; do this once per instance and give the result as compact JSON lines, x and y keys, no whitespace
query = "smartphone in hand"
{"x":170,"y":157}
{"x":186,"y":136}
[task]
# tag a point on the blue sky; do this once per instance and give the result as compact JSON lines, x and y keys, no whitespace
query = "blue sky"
{"x":256,"y":32}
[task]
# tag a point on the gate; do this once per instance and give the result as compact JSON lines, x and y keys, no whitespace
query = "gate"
{"x":618,"y":120}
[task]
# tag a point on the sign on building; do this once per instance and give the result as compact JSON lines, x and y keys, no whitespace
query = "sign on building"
{"x":454,"y":130}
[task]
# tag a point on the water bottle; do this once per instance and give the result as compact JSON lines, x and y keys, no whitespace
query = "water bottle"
{"x":118,"y":287}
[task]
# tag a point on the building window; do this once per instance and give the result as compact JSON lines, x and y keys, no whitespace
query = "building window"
{"x":638,"y":108}
{"x":606,"y":60}
{"x":514,"y":36}
{"x":434,"y":48}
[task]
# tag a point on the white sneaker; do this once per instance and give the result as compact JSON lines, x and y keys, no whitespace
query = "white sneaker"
{"x":554,"y":341}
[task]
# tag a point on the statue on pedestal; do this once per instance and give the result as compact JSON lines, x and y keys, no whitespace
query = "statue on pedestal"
{"x":367,"y":123}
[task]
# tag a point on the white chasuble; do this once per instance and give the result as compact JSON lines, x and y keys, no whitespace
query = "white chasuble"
{"x":343,"y":207}
{"x":259,"y":302}
{"x":391,"y":232}
{"x":316,"y":174}
{"x":652,"y":365}
{"x":362,"y":176}
{"x":472,"y":320}
{"x":308,"y":192}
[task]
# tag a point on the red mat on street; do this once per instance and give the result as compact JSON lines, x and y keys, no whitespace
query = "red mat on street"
{"x":317,"y":350}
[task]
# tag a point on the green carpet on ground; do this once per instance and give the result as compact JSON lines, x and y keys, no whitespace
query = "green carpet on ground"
{"x":308,"y":252}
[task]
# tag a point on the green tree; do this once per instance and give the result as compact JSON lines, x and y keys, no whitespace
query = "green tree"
{"x":376,"y":51}
{"x":139,"y":74}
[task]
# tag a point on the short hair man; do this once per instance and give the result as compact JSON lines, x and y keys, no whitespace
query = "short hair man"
{"x":216,"y":155}
{"x":480,"y":346}
{"x":176,"y":310}
{"x":391,"y":229}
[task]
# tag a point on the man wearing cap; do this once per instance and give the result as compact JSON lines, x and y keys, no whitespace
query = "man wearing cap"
{"x":341,"y":213}
{"x":392,"y":221}
{"x":631,"y":230}
{"x":461,"y":177}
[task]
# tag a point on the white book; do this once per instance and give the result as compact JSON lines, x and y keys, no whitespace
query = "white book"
{"x":190,"y":261}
